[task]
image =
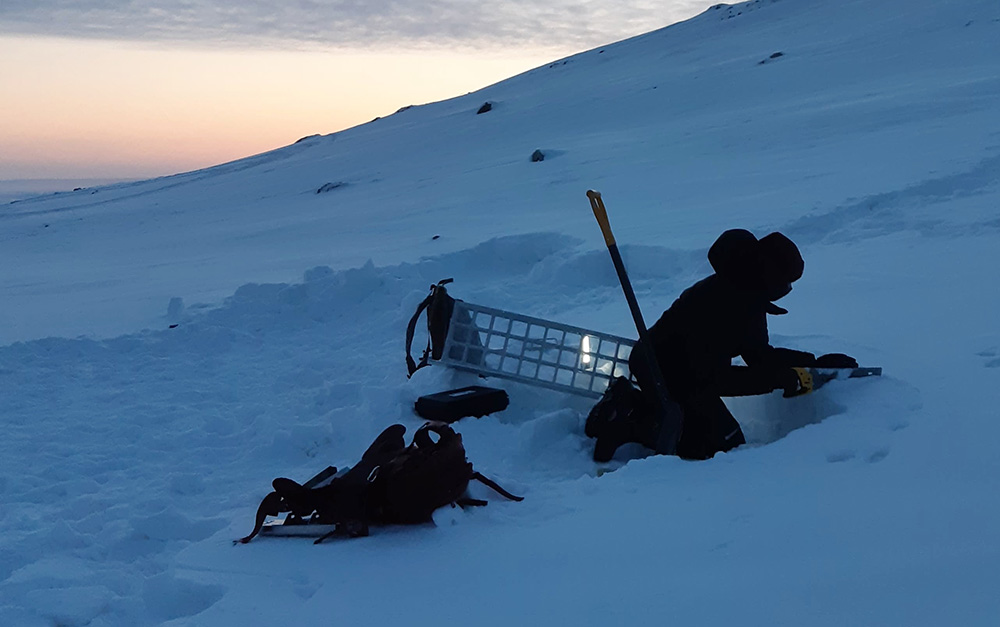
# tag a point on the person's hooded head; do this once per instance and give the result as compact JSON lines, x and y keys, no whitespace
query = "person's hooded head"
{"x":780,"y":265}
{"x":769,"y":265}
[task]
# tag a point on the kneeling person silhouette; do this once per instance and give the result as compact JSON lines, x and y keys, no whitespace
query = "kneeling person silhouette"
{"x":718,"y":318}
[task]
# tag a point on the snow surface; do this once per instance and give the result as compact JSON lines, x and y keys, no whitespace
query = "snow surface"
{"x":20,"y":189}
{"x":170,"y":346}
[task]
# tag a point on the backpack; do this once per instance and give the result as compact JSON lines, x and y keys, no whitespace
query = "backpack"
{"x":392,"y":484}
{"x":439,"y":306}
{"x":442,"y":310}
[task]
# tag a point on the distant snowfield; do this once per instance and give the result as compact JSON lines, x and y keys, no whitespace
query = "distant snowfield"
{"x":21,"y":189}
{"x":135,"y":452}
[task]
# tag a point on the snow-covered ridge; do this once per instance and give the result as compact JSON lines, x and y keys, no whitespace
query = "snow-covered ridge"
{"x":169,"y":346}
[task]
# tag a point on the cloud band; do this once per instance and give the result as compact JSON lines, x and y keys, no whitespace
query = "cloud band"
{"x":339,"y":23}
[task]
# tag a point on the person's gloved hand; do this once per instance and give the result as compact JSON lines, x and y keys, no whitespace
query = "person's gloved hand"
{"x":836,"y":360}
{"x":793,"y":381}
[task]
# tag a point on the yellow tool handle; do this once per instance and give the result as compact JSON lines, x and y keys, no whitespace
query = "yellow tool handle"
{"x":805,"y":382}
{"x":597,"y":204}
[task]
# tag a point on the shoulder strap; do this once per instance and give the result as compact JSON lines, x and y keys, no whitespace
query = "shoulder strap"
{"x":492,"y":484}
{"x":422,"y":438}
{"x":411,"y":366}
{"x":272,"y":505}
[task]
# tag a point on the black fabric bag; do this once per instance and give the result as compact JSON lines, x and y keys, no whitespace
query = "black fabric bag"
{"x":617,"y":405}
{"x":392,"y":484}
{"x":622,"y":415}
{"x":426,"y":475}
{"x":439,"y":305}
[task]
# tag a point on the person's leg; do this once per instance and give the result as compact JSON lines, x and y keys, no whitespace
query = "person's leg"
{"x":623,"y":415}
{"x":709,"y":427}
{"x":648,"y":422}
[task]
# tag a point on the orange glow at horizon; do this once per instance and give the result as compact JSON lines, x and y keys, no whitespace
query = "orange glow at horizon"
{"x":80,"y":108}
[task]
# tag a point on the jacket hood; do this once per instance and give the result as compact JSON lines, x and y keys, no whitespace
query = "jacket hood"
{"x":769,"y":265}
{"x":734,"y":256}
{"x":781,"y":258}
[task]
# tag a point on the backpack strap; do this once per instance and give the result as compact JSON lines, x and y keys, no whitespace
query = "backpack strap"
{"x":432,"y":303}
{"x":422,"y":438}
{"x":288,"y":496}
{"x":270,"y":506}
{"x":492,"y":484}
{"x":411,"y":366}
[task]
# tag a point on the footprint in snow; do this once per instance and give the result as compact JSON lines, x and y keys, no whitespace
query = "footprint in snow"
{"x":840,"y":456}
{"x":991,"y":356}
{"x":877,"y":456}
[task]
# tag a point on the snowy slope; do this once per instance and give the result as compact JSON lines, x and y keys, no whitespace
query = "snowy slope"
{"x":135,"y":452}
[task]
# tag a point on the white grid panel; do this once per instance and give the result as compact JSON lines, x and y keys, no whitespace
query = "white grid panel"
{"x":537,"y":352}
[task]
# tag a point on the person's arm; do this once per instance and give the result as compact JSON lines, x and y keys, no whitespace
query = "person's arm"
{"x":789,"y":358}
{"x":746,"y":381}
{"x":758,"y":353}
{"x":768,"y":368}
{"x":769,"y":357}
{"x":773,"y":366}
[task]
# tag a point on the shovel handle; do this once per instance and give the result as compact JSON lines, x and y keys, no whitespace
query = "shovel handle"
{"x":597,"y":204}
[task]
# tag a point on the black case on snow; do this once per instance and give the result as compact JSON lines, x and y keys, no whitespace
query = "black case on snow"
{"x":449,"y":406}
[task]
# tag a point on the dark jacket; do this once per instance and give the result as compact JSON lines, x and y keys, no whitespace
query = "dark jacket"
{"x":713,"y":321}
{"x":724,"y":316}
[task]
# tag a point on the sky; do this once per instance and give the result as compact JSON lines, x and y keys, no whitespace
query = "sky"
{"x":100,"y":89}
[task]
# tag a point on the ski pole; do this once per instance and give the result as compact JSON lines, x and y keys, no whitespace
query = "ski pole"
{"x":667,"y":440}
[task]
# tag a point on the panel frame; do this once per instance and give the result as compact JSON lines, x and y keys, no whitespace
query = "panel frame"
{"x":543,"y":353}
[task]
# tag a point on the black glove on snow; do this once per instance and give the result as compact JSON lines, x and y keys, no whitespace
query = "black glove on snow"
{"x":836,"y":360}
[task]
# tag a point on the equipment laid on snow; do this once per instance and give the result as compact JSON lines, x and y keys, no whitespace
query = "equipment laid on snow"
{"x":507,"y":345}
{"x":392,"y":484}
{"x":474,"y":400}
